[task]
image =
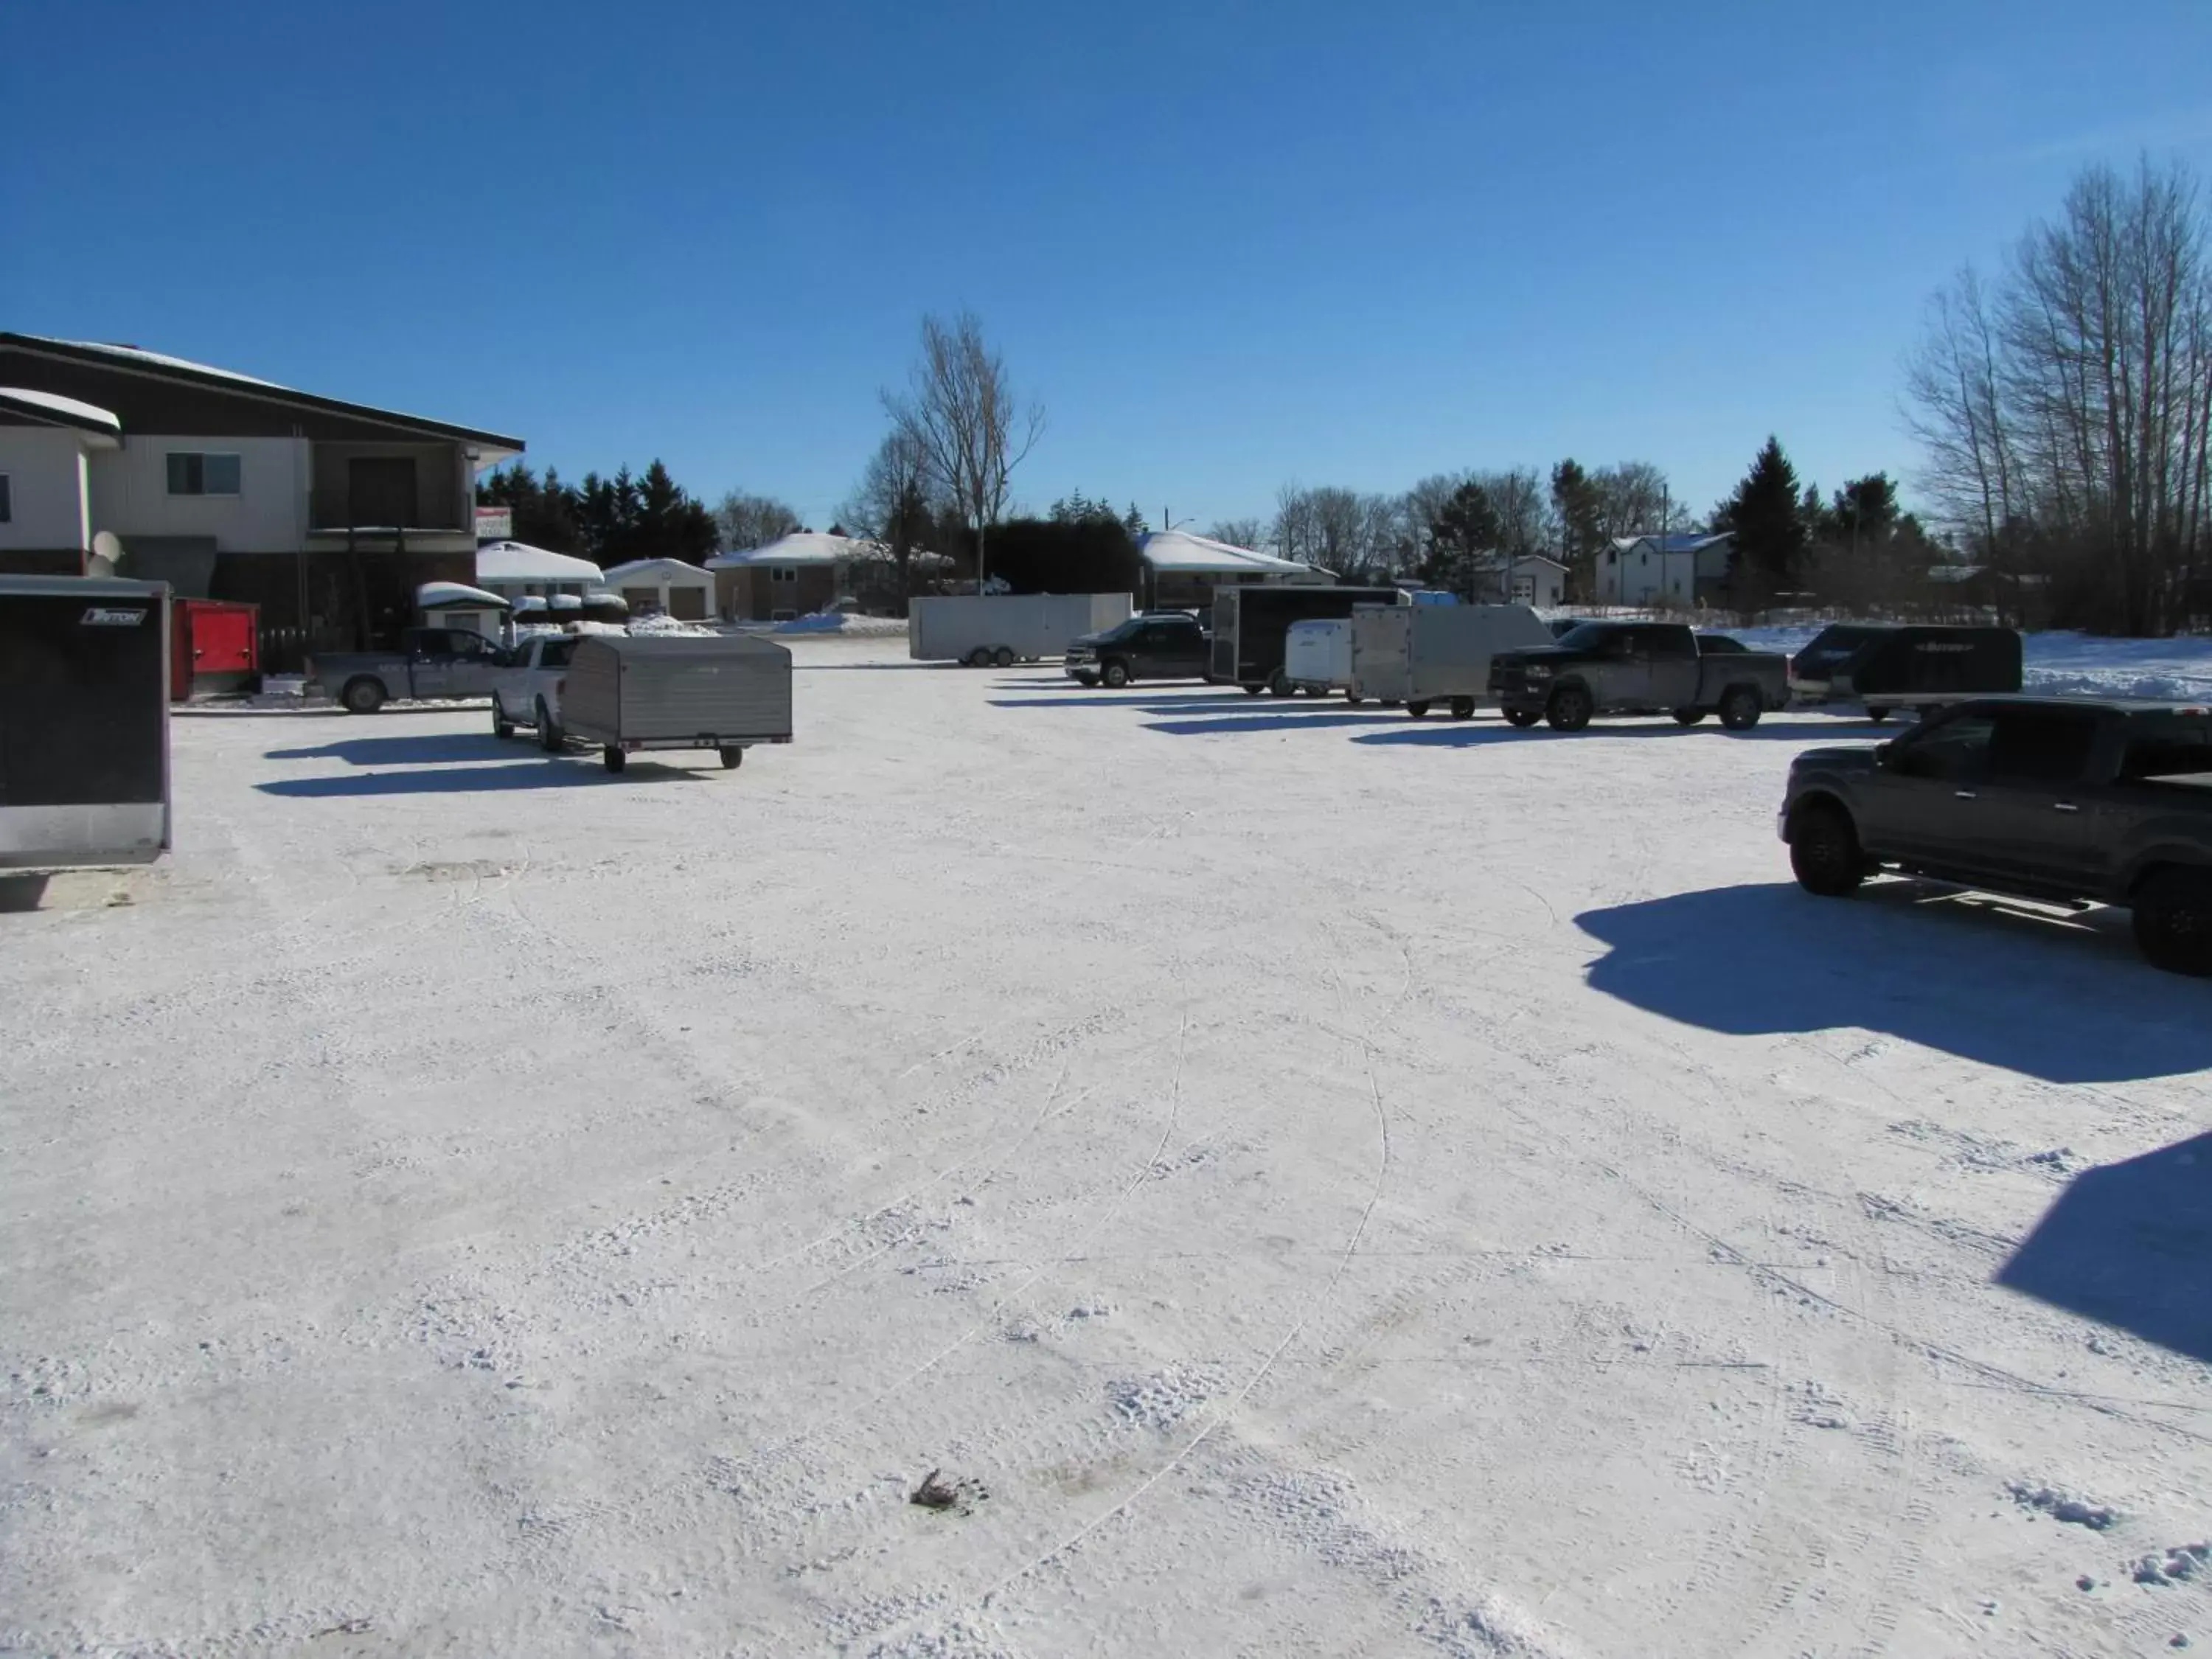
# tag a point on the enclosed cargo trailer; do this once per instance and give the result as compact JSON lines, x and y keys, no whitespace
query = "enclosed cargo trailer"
{"x":982,"y":629}
{"x":1885,"y":666}
{"x":1424,"y":654}
{"x":215,"y":645}
{"x":628,"y":693}
{"x":84,"y":721}
{"x":1251,"y":626}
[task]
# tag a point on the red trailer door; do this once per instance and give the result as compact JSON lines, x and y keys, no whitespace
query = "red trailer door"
{"x":223,"y":640}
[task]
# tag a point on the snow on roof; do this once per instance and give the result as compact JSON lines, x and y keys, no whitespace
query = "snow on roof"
{"x":1177,"y":549}
{"x":52,"y":402}
{"x":800,"y":547}
{"x":162,"y":360}
{"x":668,"y":569}
{"x":519,"y":561}
{"x":434,"y":596}
{"x":1680,"y":544}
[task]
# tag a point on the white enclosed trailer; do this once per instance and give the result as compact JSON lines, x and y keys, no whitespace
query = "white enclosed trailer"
{"x":982,"y":629}
{"x":1424,"y":654}
{"x":1317,"y":655}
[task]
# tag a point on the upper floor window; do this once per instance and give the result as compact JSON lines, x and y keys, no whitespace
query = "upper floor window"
{"x":191,"y":474}
{"x":7,"y":500}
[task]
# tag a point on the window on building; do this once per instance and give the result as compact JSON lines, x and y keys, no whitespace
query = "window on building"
{"x":195,"y":474}
{"x":783,"y":573}
{"x":7,"y":499}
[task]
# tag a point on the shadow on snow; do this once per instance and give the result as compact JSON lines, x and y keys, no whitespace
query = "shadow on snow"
{"x":2126,"y":1245}
{"x":1469,"y":734}
{"x":547,"y":774}
{"x":402,"y":750}
{"x":2061,"y":999}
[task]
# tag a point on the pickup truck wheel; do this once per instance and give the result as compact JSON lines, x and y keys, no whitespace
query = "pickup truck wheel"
{"x":1741,"y":708}
{"x":1523,"y":718}
{"x":2173,"y":922}
{"x":549,"y":735}
{"x":1002,"y":658}
{"x":732,"y":758}
{"x":1462,"y":709}
{"x":1115,"y":674}
{"x":1570,"y":708}
{"x":362,"y":697}
{"x":501,"y":726}
{"x":1688,"y":716}
{"x":1281,"y":685}
{"x":614,"y":759}
{"x":1419,"y":711}
{"x":1825,"y":853}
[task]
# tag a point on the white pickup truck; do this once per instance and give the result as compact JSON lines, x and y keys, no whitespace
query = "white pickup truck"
{"x":527,"y":691}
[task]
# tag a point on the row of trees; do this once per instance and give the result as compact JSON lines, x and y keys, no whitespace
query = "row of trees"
{"x":2064,"y":406}
{"x":607,"y":520}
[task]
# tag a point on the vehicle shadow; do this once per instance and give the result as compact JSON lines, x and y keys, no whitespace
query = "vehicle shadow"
{"x":1164,"y":700}
{"x":1468,"y":734}
{"x":2064,"y":998}
{"x":1284,"y":721}
{"x":548,"y":773}
{"x":21,"y":892}
{"x":402,"y":749}
{"x":2126,"y":1245}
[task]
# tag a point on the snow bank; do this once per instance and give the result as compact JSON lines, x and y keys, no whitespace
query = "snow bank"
{"x":660,"y":624}
{"x":858,"y":627}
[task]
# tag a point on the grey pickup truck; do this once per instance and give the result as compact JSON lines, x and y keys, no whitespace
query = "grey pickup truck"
{"x":2067,"y":801}
{"x":1637,"y":668}
{"x":432,"y":664}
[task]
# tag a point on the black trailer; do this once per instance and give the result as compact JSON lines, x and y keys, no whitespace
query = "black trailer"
{"x":84,"y":721}
{"x":1250,"y":625}
{"x":1891,"y":665}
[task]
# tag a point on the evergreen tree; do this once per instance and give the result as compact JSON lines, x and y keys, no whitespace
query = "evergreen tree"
{"x":1464,"y":528}
{"x":1766,"y":514}
{"x":1579,"y":503}
{"x":1133,"y":522}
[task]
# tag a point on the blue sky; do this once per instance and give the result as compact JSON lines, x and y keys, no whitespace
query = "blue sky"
{"x":1227,"y":244}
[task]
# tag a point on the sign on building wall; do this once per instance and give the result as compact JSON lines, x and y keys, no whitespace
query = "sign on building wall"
{"x":494,"y":523}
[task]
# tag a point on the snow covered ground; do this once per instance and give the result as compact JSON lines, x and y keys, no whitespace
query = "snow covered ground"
{"x":1312,"y":1182}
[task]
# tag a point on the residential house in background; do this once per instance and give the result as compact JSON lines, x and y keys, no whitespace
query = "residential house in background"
{"x":327,"y":515}
{"x":1181,"y":570}
{"x":1682,"y":570}
{"x":1530,"y":579}
{"x":671,"y":587}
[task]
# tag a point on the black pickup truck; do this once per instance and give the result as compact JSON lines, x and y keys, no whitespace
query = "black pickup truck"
{"x":1637,"y":668}
{"x":2067,"y":801}
{"x":1152,"y":645}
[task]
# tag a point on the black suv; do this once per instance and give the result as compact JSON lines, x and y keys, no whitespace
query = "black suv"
{"x":1153,"y":644}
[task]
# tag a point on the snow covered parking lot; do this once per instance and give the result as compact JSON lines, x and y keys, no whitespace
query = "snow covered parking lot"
{"x":1312,"y":1182}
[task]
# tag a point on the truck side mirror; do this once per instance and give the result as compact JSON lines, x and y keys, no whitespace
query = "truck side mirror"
{"x":1885,"y":756}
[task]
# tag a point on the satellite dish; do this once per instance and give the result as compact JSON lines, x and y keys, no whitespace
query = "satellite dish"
{"x":106,"y":549}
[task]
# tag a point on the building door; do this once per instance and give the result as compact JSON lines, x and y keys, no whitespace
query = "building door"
{"x":381,"y":491}
{"x":686,"y":604}
{"x":222,"y":641}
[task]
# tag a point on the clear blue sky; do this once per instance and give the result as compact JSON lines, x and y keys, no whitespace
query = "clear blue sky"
{"x":1228,"y":245}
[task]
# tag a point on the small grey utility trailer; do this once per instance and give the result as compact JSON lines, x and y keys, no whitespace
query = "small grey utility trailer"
{"x":628,"y":693}
{"x":84,"y":721}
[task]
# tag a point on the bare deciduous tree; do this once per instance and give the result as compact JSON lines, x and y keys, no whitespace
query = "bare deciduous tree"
{"x":1250,"y":533}
{"x":2069,"y":409}
{"x":749,"y":521}
{"x":959,"y":411}
{"x":892,"y":504}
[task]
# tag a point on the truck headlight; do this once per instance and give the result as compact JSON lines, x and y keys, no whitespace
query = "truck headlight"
{"x":1536,"y":671}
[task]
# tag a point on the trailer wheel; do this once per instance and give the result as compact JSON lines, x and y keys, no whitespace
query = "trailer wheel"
{"x":362,"y":697}
{"x":1523,"y":718}
{"x":1002,"y":658}
{"x":979,"y":657}
{"x":2173,"y":922}
{"x":1354,"y":698}
{"x":733,"y":756}
{"x":1688,"y":716}
{"x":1876,"y":716}
{"x":613,"y":758}
{"x":1570,"y":708}
{"x":1254,"y":690}
{"x":1115,"y":674}
{"x":1742,"y":708}
{"x":1462,"y":709}
{"x":501,"y":726}
{"x":1419,"y":711}
{"x":1280,"y":686}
